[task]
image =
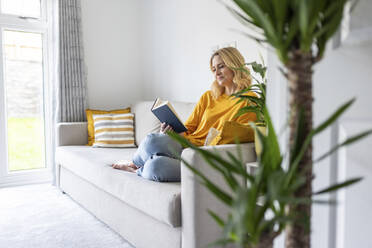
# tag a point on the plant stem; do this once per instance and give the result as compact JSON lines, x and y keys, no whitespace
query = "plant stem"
{"x":267,"y":240}
{"x":300,"y":93}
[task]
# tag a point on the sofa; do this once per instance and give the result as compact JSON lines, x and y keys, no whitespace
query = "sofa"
{"x":147,"y":214}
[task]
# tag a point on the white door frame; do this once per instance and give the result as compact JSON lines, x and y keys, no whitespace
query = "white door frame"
{"x":43,"y":26}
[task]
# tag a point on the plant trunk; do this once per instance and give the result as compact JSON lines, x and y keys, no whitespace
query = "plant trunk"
{"x":300,"y":97}
{"x":265,"y":244}
{"x":267,"y":240}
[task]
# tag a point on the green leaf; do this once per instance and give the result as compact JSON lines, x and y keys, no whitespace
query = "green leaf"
{"x":224,"y":167}
{"x":259,"y":40}
{"x":272,"y":145}
{"x":296,"y":160}
{"x":326,"y":202}
{"x":262,"y":88}
{"x":221,"y":242}
{"x":334,"y":8}
{"x":219,"y":193}
{"x":280,"y":8}
{"x":253,"y":99}
{"x":258,"y":68}
{"x":252,"y":9}
{"x":242,"y":91}
{"x":292,"y":32}
{"x":244,"y":20}
{"x":218,"y":219}
{"x":330,"y":27}
{"x":239,"y":163}
{"x":321,"y":43}
{"x":300,"y":135}
{"x":334,"y":116}
{"x":316,"y":14}
{"x":339,"y":186}
{"x":214,"y":156}
{"x":330,"y":23}
{"x":304,"y":19}
{"x":346,"y":142}
{"x":247,"y":109}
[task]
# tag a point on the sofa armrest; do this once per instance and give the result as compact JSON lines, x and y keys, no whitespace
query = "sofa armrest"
{"x":72,"y":133}
{"x":198,"y":227}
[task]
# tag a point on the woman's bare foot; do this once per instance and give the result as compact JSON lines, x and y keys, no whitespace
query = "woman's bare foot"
{"x":125,"y":165}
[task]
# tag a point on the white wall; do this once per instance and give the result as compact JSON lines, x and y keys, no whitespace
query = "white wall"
{"x":178,"y":37}
{"x":146,"y":49}
{"x":112,"y":52}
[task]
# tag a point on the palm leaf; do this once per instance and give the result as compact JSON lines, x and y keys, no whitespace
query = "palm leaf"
{"x":339,"y":185}
{"x":244,"y":20}
{"x":304,"y":23}
{"x":296,"y":160}
{"x":218,"y":192}
{"x":334,"y":116}
{"x":247,"y":109}
{"x":346,"y":142}
{"x":253,"y":9}
{"x":218,"y":219}
{"x":259,"y":40}
{"x":280,"y":8}
{"x":272,"y":141}
{"x":221,"y":242}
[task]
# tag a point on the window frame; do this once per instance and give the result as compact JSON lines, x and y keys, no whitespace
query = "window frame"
{"x":43,"y":13}
{"x":45,"y":26}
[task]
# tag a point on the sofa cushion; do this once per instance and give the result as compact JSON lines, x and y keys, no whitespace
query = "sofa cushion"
{"x":146,"y":122}
{"x":159,"y":200}
{"x":114,"y":130}
{"x":90,"y":112}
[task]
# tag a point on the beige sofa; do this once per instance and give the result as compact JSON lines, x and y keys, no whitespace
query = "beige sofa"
{"x":146,"y":213}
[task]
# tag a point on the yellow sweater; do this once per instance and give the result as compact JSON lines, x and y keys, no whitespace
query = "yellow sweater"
{"x":210,"y":112}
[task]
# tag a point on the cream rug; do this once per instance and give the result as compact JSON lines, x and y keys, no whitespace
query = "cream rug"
{"x":40,"y":216}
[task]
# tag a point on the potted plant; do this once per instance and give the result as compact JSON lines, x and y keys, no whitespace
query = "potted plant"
{"x":275,"y":197}
{"x":255,"y":104}
{"x":259,"y":202}
{"x":298,"y":31}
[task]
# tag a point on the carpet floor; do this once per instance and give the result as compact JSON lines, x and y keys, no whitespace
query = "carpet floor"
{"x":40,"y":216}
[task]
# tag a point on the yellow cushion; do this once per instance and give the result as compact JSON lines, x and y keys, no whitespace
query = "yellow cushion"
{"x":232,"y":131}
{"x":91,"y":112}
{"x":113,"y":130}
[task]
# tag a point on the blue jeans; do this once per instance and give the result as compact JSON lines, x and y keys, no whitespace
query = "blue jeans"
{"x":156,"y":158}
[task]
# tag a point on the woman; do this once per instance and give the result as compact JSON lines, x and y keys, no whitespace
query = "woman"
{"x":154,"y":159}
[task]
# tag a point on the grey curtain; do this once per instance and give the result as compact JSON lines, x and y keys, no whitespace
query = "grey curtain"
{"x":71,"y":102}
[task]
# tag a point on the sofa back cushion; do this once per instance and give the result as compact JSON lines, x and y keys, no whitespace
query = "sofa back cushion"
{"x":145,"y":121}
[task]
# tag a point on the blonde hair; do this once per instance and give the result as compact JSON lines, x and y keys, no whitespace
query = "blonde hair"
{"x":233,"y":59}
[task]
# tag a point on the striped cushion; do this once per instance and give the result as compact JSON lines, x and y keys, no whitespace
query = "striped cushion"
{"x":113,"y":130}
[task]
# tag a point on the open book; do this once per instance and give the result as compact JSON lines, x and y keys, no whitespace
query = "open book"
{"x":164,"y":111}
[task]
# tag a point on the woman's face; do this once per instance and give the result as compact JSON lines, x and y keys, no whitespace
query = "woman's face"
{"x":224,"y":75}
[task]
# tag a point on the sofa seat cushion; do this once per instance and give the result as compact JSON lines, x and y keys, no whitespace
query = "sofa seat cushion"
{"x":162,"y":201}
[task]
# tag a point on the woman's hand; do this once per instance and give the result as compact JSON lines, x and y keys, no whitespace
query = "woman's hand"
{"x":164,"y":128}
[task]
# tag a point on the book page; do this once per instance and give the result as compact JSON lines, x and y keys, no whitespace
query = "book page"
{"x":158,"y":103}
{"x":174,"y":111}
{"x":211,"y":135}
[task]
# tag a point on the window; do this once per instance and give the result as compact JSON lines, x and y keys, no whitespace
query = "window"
{"x":25,"y":65}
{"x":23,"y":8}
